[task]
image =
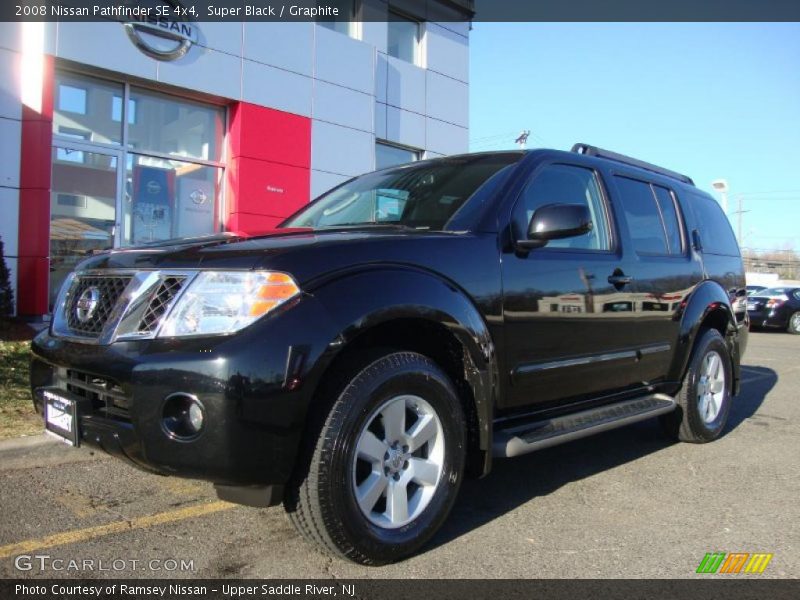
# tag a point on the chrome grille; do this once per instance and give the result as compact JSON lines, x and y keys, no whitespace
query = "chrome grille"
{"x":109,"y":289}
{"x":159,"y":303}
{"x":107,"y":397}
{"x":101,"y":307}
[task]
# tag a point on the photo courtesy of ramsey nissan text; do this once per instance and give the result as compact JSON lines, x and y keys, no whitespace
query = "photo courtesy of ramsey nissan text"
{"x":423,"y":297}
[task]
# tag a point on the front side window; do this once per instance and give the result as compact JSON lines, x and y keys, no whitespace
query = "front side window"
{"x":565,"y":184}
{"x":425,"y":195}
{"x":403,"y":40}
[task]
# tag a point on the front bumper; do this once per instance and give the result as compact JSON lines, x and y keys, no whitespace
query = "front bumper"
{"x":255,"y":392}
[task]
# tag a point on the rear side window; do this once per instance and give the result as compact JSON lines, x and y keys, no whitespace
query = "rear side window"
{"x":672,"y":223}
{"x":653,"y":220}
{"x":715,"y":230}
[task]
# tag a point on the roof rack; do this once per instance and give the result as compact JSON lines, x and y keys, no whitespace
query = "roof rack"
{"x":600,"y":153}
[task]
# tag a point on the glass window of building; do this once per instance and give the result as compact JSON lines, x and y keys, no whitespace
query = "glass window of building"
{"x":83,"y":200}
{"x":168,"y":199}
{"x":387,"y":155}
{"x":343,"y":22}
{"x":83,"y":106}
{"x":116,"y":109}
{"x":177,"y":127}
{"x":130,"y":166}
{"x":403,"y":38}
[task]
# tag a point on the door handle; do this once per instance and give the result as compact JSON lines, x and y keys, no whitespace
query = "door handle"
{"x":619,"y":280}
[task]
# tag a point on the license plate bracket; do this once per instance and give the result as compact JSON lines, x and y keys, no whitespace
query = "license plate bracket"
{"x":61,"y":416}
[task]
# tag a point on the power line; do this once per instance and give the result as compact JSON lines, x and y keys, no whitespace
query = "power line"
{"x":491,"y":137}
{"x":768,"y":193}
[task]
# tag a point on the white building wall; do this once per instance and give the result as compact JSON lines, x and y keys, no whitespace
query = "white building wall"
{"x":10,"y":132}
{"x":354,"y":93}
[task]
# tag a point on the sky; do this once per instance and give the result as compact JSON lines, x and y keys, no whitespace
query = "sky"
{"x":711,"y":100}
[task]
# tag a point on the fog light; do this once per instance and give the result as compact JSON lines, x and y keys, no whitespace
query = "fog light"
{"x":183,"y":416}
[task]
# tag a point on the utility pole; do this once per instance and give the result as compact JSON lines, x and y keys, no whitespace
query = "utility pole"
{"x":739,"y":213}
{"x":522,"y":140}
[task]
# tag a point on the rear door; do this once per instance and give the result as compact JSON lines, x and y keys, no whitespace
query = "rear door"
{"x":570,"y":332}
{"x":663,"y":269}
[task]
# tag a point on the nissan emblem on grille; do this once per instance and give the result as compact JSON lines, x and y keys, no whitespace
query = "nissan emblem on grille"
{"x":87,"y":304}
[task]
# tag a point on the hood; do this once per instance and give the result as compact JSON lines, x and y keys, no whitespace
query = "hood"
{"x":304,"y":253}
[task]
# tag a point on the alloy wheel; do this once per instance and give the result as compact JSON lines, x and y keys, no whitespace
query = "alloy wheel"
{"x":398,"y":461}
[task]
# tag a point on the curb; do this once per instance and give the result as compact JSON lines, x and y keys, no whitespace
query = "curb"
{"x":28,"y":441}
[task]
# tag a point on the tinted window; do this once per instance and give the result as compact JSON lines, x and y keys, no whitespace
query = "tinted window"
{"x":643,"y":216}
{"x":422,"y":195}
{"x":672,"y":223}
{"x":565,"y":184}
{"x":715,"y":230}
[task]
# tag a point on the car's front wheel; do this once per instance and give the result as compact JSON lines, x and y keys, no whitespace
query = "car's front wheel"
{"x":383,"y":470}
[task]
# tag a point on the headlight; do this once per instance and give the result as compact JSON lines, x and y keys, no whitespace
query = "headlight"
{"x":226,"y":301}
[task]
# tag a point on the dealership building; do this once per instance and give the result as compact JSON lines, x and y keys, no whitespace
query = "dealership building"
{"x":112,"y":136}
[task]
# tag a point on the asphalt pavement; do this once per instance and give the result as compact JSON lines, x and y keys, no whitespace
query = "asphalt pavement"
{"x":627,"y":503}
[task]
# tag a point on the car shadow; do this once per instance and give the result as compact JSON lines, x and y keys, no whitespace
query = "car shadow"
{"x":514,"y":482}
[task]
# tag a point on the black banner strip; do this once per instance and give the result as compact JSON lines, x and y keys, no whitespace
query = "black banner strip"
{"x":733,"y":587}
{"x":381,"y":10}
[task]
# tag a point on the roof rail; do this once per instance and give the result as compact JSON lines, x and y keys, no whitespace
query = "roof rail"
{"x":600,"y":153}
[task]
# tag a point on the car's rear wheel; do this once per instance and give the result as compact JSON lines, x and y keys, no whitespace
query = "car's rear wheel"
{"x":794,"y":323}
{"x":704,"y":400}
{"x":382,"y":472}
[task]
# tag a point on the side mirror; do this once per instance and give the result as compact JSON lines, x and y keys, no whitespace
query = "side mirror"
{"x":555,"y":222}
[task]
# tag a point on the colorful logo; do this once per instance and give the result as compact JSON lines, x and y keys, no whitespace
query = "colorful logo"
{"x":733,"y":563}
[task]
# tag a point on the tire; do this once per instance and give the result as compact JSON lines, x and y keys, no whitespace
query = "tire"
{"x":794,"y":323}
{"x":701,"y":418}
{"x":352,"y":455}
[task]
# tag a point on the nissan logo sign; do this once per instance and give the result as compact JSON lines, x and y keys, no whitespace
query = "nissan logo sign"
{"x":87,"y":304}
{"x":199,"y":197}
{"x":161,"y":37}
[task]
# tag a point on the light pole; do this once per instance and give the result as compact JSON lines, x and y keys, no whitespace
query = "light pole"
{"x":721,"y":185}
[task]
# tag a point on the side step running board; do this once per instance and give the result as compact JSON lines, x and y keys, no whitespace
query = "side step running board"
{"x":550,"y":432}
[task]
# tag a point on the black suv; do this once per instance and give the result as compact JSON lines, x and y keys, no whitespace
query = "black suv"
{"x":401,"y":332}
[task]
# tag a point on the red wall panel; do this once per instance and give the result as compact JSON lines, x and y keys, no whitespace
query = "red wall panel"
{"x":269,"y":166}
{"x":268,"y":134}
{"x":33,"y":266}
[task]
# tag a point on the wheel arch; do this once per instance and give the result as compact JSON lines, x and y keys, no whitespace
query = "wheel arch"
{"x":707,"y":307}
{"x":410,"y":310}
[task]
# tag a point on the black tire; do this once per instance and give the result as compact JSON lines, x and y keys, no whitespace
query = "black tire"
{"x":321,"y":501}
{"x":686,"y":423}
{"x":794,"y":323}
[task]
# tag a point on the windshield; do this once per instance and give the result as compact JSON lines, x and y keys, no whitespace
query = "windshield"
{"x":422,"y":195}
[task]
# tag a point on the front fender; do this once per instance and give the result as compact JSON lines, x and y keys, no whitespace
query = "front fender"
{"x":359,"y":301}
{"x":709,"y":304}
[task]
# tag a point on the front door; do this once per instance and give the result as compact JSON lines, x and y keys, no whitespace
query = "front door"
{"x":568,"y":311}
{"x":83,"y":207}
